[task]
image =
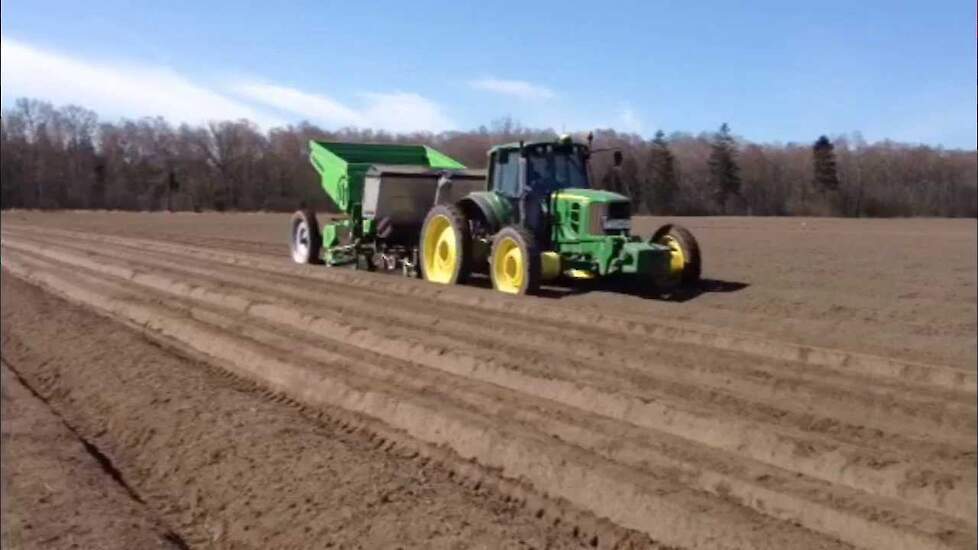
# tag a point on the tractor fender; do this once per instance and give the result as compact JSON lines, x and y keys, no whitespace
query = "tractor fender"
{"x":479,"y":207}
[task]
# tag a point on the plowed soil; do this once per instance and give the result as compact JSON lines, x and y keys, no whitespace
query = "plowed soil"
{"x":817,"y":390}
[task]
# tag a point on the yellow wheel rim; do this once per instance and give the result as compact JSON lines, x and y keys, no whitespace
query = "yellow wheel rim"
{"x":440,"y":250}
{"x":508,"y":266}
{"x":677,"y":262}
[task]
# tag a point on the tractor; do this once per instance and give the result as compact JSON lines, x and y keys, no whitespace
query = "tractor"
{"x":530,"y":218}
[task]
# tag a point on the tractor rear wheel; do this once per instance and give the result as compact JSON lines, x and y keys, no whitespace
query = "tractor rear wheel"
{"x":686,"y":264}
{"x":514,"y":263}
{"x":446,"y":246}
{"x":305,"y":241}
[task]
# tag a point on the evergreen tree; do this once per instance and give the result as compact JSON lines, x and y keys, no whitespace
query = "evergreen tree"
{"x":826,"y":176}
{"x":724,"y":172}
{"x":663,"y":186}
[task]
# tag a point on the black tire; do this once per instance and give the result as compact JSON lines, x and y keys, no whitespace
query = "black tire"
{"x":462,"y":269}
{"x":531,"y":270}
{"x":305,"y":249}
{"x":693,"y":265}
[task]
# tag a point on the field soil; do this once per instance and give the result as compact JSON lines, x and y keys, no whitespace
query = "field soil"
{"x":56,"y":491}
{"x":816,"y":390}
{"x":221,"y":462}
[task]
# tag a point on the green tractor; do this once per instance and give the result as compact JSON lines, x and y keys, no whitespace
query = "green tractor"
{"x":532,"y":217}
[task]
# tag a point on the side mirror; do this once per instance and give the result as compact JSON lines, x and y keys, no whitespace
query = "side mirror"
{"x":618,"y":159}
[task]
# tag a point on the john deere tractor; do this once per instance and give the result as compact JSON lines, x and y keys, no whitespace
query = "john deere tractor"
{"x":531,"y":217}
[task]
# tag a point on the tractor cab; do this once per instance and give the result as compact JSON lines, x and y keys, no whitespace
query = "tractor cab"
{"x":529,"y":176}
{"x":540,"y":168}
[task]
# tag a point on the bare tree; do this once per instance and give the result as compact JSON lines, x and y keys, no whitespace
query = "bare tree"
{"x":66,"y":158}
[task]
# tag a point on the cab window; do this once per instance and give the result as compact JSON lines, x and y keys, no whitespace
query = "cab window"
{"x":552,"y":168}
{"x":506,"y":173}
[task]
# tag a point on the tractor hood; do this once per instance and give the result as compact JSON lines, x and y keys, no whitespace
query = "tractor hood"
{"x":590,"y":214}
{"x":589,"y":196}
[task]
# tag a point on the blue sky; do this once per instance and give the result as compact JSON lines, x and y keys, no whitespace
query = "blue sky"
{"x":775,"y":71}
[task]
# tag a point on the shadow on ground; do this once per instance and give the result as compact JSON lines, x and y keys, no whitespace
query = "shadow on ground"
{"x":565,"y":289}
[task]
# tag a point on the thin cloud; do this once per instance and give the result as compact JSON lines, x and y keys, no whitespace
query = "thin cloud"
{"x":132,"y":90}
{"x":405,"y":112}
{"x":395,"y":112}
{"x":316,"y":107}
{"x":629,"y":120}
{"x":114,"y":89}
{"x":513,"y":88}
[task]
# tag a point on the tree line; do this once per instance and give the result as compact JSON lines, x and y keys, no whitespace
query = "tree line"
{"x":67,"y":158}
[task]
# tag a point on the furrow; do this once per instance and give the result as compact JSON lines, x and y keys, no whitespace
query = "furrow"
{"x":781,"y":385}
{"x":873,"y":472}
{"x":951,"y":379}
{"x":639,"y":451}
{"x":661,"y":507}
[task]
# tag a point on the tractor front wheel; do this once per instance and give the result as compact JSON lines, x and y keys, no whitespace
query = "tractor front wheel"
{"x":446,"y":244}
{"x":514,"y":263}
{"x":686,"y":263}
{"x":305,"y":241}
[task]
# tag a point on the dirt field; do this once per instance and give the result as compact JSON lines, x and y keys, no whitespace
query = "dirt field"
{"x":818,"y":390}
